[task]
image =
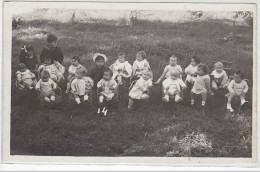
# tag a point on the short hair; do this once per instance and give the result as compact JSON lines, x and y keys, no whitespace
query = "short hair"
{"x":121,"y":54}
{"x":51,"y":38}
{"x":173,"y":56}
{"x":82,"y":71}
{"x":108,"y":70}
{"x":45,"y":74}
{"x":204,"y":68}
{"x":142,"y":53}
{"x":240,"y":73}
{"x":148,"y":72}
{"x":77,"y":58}
{"x":218,"y":64}
{"x":22,"y":66}
{"x":196,"y":59}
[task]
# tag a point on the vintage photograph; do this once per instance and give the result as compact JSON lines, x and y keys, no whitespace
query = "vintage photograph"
{"x":143,"y":83}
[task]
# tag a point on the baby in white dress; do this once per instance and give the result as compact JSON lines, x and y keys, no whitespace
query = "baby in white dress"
{"x":140,"y":65}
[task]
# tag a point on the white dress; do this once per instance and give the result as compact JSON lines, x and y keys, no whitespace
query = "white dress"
{"x":174,"y":85}
{"x":106,"y":86}
{"x":55,"y":71}
{"x":136,"y":92}
{"x":26,"y":76}
{"x":139,"y":67}
{"x":191,"y":77}
{"x":124,"y":69}
{"x":168,"y":69}
{"x":82,"y":86}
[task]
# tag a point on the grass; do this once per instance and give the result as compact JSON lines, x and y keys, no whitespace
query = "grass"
{"x":153,"y":130}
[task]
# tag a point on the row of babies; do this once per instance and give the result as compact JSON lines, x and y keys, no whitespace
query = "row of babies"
{"x":104,"y":78}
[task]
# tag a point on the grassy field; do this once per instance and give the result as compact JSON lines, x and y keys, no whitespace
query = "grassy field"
{"x":152,"y":131}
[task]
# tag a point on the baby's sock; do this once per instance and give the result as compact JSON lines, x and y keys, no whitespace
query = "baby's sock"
{"x":243,"y":101}
{"x":85,"y":97}
{"x":229,"y":107}
{"x":203,"y":103}
{"x":101,"y":99}
{"x":177,"y":98}
{"x":166,"y":98}
{"x":77,"y":100}
{"x":46,"y":99}
{"x":192,"y":102}
{"x":52,"y":98}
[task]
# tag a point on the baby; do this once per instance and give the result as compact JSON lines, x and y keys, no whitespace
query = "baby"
{"x":237,"y":87}
{"x":46,"y":86}
{"x":172,"y":87}
{"x":81,"y":86}
{"x":140,"y":89}
{"x":56,"y":70}
{"x":121,"y":68}
{"x":220,"y":77}
{"x":191,"y":70}
{"x":75,"y":64}
{"x":25,"y":78}
{"x":172,"y":67}
{"x":106,"y":86}
{"x":140,"y":65}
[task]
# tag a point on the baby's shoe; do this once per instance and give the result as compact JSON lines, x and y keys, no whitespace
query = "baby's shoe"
{"x":85,"y":97}
{"x":192,"y":102}
{"x":166,"y":98}
{"x":178,"y":98}
{"x":77,"y":100}
{"x":46,"y":99}
{"x":243,"y":102}
{"x":53,"y":98}
{"x":67,"y":91}
{"x":229,"y":108}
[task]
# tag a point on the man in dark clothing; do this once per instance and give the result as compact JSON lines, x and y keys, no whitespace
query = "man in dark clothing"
{"x":52,"y":50}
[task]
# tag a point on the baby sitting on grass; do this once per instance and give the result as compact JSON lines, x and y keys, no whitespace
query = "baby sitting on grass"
{"x":46,"y":86}
{"x":172,"y":87}
{"x":81,"y":86}
{"x":25,"y":78}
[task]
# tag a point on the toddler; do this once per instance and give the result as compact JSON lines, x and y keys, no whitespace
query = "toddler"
{"x":172,"y":87}
{"x":28,"y":57}
{"x":52,"y":50}
{"x":140,"y":65}
{"x":81,"y":85}
{"x":140,"y":89}
{"x":25,"y":78}
{"x":46,"y":86}
{"x":220,"y":77}
{"x":191,"y":70}
{"x":106,"y":86}
{"x":121,"y":68}
{"x":56,"y":70}
{"x":172,"y":67}
{"x":237,"y":87}
{"x":75,"y":64}
{"x":201,"y":85}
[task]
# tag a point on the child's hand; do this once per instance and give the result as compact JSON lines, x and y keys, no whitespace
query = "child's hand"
{"x":54,"y":89}
{"x":157,"y":82}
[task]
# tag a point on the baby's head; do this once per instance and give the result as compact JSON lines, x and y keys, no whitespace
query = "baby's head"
{"x":218,"y":66}
{"x":173,"y":60}
{"x":45,"y":76}
{"x":195,"y":61}
{"x":238,"y":76}
{"x":52,"y":40}
{"x":80,"y":73}
{"x":22,"y":67}
{"x":140,"y":56}
{"x":121,"y":57}
{"x":47,"y":60}
{"x":202,"y":70}
{"x":175,"y":75}
{"x":99,"y":60}
{"x":147,"y":74}
{"x":75,"y":61}
{"x":107,"y":74}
